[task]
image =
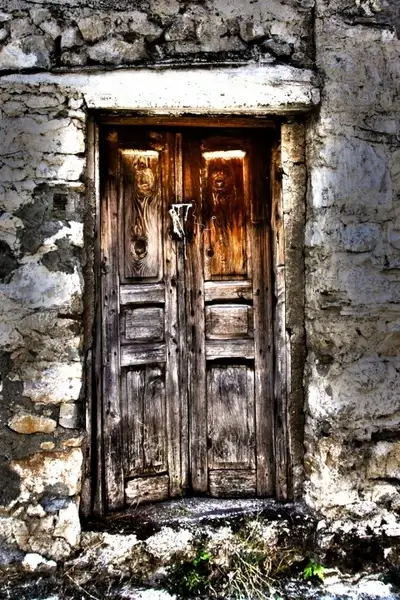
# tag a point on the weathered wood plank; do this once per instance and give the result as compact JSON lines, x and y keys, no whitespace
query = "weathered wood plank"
{"x":142,"y":293}
{"x":111,"y":409}
{"x":293,"y":211}
{"x":145,"y":421}
{"x":230,"y":349}
{"x":154,"y":420}
{"x":174,"y":416}
{"x":143,"y":354}
{"x":223,"y":214}
{"x":141,"y":324}
{"x":119,"y":118}
{"x":146,"y":489}
{"x":230,"y":394}
{"x":263,"y":335}
{"x":228,"y":290}
{"x":232,"y":484}
{"x":141,"y":192}
{"x":194,"y":277}
{"x":92,"y":499}
{"x":228,"y":321}
{"x":132,"y":389}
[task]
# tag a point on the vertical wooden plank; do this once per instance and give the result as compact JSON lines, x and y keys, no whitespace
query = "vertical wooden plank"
{"x":230,"y":393}
{"x":91,"y":231}
{"x":140,"y":183}
{"x":224,"y":215}
{"x":263,"y":335}
{"x":194,"y":276}
{"x":134,"y":423}
{"x":280,"y":390}
{"x":293,"y":208}
{"x":176,"y":386}
{"x":111,"y":409}
{"x":154,"y":420}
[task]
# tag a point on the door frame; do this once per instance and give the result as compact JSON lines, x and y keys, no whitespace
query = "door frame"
{"x":288,"y":190}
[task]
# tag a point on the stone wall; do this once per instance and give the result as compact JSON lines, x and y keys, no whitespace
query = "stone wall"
{"x":82,"y":33}
{"x":353,"y":265}
{"x":352,"y":237}
{"x":42,"y":210}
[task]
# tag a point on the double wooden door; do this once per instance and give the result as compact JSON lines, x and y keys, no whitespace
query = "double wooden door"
{"x":186,"y":360}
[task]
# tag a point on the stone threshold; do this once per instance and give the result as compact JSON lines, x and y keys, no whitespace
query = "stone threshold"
{"x":199,"y":511}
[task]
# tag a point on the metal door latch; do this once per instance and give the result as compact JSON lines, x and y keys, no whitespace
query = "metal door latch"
{"x":179,"y":214}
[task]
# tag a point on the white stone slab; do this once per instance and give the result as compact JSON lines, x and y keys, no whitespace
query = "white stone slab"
{"x":244,"y":90}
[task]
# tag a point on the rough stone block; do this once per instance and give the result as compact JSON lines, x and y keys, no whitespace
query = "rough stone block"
{"x":68,"y":525}
{"x":12,"y":56}
{"x":384,"y":462}
{"x":361,"y":237}
{"x":69,"y":415}
{"x":117,"y":52}
{"x":28,"y":424}
{"x":46,"y":469}
{"x":92,"y":28}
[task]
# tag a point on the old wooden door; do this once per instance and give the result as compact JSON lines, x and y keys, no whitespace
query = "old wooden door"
{"x":186,"y":362}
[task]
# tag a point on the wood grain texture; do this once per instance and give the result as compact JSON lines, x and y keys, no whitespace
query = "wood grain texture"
{"x":145,"y":435}
{"x":232,"y":484}
{"x":143,"y":324}
{"x":230,"y":394}
{"x":224,"y":215}
{"x":194,"y":279}
{"x":228,"y":290}
{"x":229,"y":321}
{"x":147,"y":489}
{"x":176,"y":418}
{"x":141,"y":192}
{"x":263,"y":334}
{"x":234,"y":349}
{"x":111,"y":408}
{"x":142,"y":293}
{"x":142,"y":354}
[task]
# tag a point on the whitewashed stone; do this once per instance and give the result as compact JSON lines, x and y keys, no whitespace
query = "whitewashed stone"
{"x":53,"y":383}
{"x":29,"y":424}
{"x":105,"y":549}
{"x":42,"y":101}
{"x":51,"y":27}
{"x":13,"y":57}
{"x":279,"y":89}
{"x":36,"y":511}
{"x":48,"y":469}
{"x":361,"y":237}
{"x":32,"y":562}
{"x":117,"y":51}
{"x":20,"y":27}
{"x":38,"y":15}
{"x":60,"y":167}
{"x":68,"y":525}
{"x":384,"y":462}
{"x":69,"y":415}
{"x":3,"y":35}
{"x":92,"y":28}
{"x":167,"y":543}
{"x":48,"y":445}
{"x":70,"y":38}
{"x":14,"y":530}
{"x":37,"y":287}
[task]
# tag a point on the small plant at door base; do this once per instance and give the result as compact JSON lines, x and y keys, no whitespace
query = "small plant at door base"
{"x":232,"y":565}
{"x":191,"y":578}
{"x":314,"y":570}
